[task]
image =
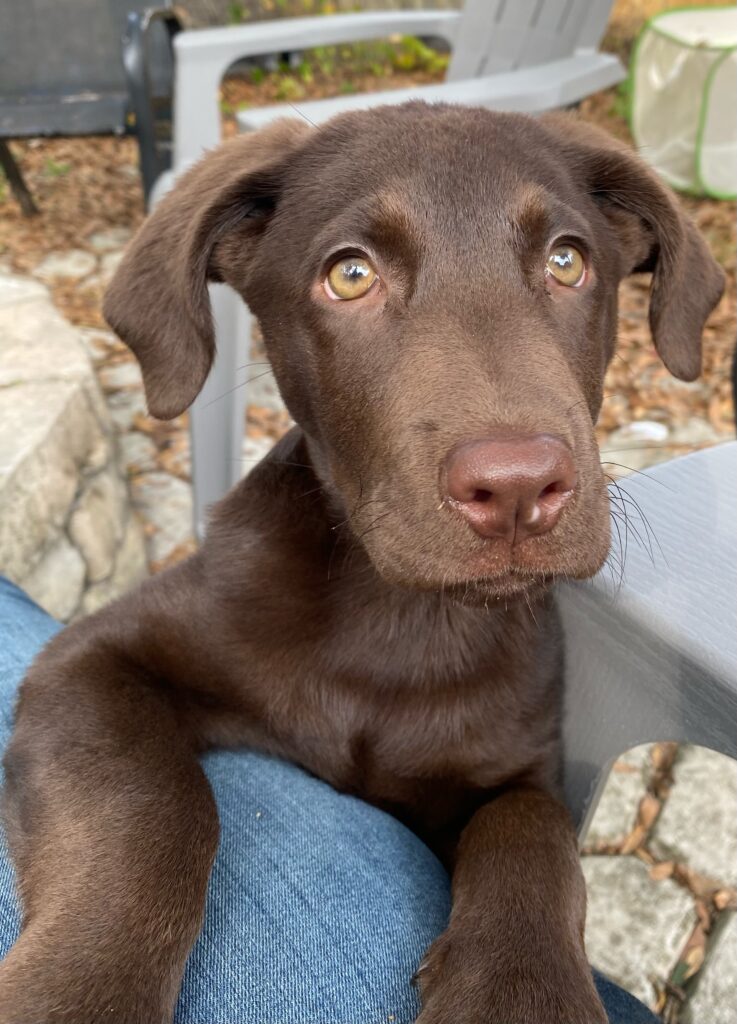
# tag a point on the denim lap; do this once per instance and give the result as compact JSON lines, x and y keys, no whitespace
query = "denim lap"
{"x":319,"y":907}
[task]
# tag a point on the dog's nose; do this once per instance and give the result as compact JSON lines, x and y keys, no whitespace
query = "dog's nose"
{"x":511,"y":486}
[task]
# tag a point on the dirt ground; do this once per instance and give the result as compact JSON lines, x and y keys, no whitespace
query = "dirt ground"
{"x":85,"y":185}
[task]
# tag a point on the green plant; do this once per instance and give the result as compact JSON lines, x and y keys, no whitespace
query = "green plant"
{"x":257,"y":75}
{"x":236,"y":13}
{"x":621,"y":102}
{"x":54,"y":169}
{"x":290,"y":89}
{"x":411,"y":54}
{"x":305,"y":72}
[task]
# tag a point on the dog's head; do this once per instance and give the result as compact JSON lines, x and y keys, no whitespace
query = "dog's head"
{"x":437,"y":289}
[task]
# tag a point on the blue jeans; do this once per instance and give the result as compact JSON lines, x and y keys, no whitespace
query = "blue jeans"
{"x":320,"y":907}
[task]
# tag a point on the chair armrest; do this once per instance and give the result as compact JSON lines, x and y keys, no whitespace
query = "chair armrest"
{"x":653,"y":656}
{"x":204,"y":55}
{"x":528,"y":90}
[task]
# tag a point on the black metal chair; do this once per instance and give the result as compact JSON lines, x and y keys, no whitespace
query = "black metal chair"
{"x":63,"y":71}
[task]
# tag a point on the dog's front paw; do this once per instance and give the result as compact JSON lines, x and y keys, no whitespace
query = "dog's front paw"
{"x":464,"y":981}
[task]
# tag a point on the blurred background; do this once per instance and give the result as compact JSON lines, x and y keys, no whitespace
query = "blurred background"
{"x":95,"y":494}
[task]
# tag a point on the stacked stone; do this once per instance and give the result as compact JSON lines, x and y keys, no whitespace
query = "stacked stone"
{"x":67,"y":532}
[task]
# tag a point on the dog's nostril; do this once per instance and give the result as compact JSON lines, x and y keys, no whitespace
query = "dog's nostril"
{"x":557,"y":487}
{"x":510,"y":486}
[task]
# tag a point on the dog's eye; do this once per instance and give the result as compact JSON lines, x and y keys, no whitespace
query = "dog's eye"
{"x":350,"y":278}
{"x":567,"y":265}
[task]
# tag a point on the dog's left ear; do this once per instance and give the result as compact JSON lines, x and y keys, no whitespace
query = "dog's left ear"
{"x":654,"y":235}
{"x":158,"y":301}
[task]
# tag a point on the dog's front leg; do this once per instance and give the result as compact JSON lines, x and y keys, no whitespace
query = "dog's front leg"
{"x":513,"y":952}
{"x":111,"y":822}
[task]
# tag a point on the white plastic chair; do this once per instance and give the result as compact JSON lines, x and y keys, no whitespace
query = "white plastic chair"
{"x":525,"y":55}
{"x":653,"y":656}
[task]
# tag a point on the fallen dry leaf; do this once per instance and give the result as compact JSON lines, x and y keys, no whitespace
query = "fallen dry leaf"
{"x":725,"y":899}
{"x":662,"y":870}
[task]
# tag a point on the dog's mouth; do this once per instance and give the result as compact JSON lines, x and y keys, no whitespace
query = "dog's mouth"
{"x":497,"y":573}
{"x":483,"y":590}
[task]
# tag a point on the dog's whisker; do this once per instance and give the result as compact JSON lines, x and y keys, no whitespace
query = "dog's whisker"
{"x":648,"y":527}
{"x":656,"y":447}
{"x":646,"y":543}
{"x":301,"y":114}
{"x":372,"y":526}
{"x":235,"y":387}
{"x":639,"y":472}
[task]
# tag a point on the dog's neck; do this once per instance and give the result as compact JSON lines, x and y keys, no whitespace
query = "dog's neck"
{"x":415,"y":636}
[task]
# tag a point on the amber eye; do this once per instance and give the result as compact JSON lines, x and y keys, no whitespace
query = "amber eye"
{"x":350,"y":278}
{"x":566,"y":264}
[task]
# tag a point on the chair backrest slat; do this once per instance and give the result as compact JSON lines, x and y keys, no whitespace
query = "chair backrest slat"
{"x":501,"y":35}
{"x":61,"y":65}
{"x":473,"y":43}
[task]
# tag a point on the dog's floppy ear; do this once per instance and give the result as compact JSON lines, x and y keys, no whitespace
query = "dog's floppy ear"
{"x":654,"y":235}
{"x":158,"y":301}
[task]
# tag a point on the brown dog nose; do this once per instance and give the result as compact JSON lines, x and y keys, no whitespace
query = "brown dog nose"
{"x":512,"y":486}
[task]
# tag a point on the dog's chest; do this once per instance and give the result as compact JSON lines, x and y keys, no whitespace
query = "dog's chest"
{"x":419,"y":714}
{"x":428,"y":757}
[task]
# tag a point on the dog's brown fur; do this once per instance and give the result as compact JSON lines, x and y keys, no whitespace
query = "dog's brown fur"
{"x":339,"y":614}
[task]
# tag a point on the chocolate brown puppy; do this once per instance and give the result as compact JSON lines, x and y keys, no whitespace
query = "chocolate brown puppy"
{"x":437,"y":289}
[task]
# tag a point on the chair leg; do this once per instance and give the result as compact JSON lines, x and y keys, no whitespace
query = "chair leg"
{"x":17,"y":182}
{"x":217,"y":416}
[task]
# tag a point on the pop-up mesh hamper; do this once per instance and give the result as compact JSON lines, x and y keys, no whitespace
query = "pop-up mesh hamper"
{"x":683,"y":96}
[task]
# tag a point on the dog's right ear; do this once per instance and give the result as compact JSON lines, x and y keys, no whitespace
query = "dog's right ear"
{"x":158,"y":301}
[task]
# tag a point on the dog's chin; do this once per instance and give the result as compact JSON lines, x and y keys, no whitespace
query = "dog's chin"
{"x":477,"y":586}
{"x":504,"y":590}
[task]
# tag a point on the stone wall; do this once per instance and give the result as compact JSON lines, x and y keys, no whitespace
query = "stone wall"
{"x":67,"y":532}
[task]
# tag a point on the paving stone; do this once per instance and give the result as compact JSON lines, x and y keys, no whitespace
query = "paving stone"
{"x":631,"y":446}
{"x":97,"y":523}
{"x":698,"y":824}
{"x":715,"y":998}
{"x":111,"y":238}
{"x":75,"y":263}
{"x":137,"y":452}
{"x":100,"y":344}
{"x":109,"y":263}
{"x":15,"y":289}
{"x":121,"y":376}
{"x":131,"y":566}
{"x":695,"y":431}
{"x":57,"y":581}
{"x":124,"y":406}
{"x":635,"y":927}
{"x":617,"y":809}
{"x":165,"y":502}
